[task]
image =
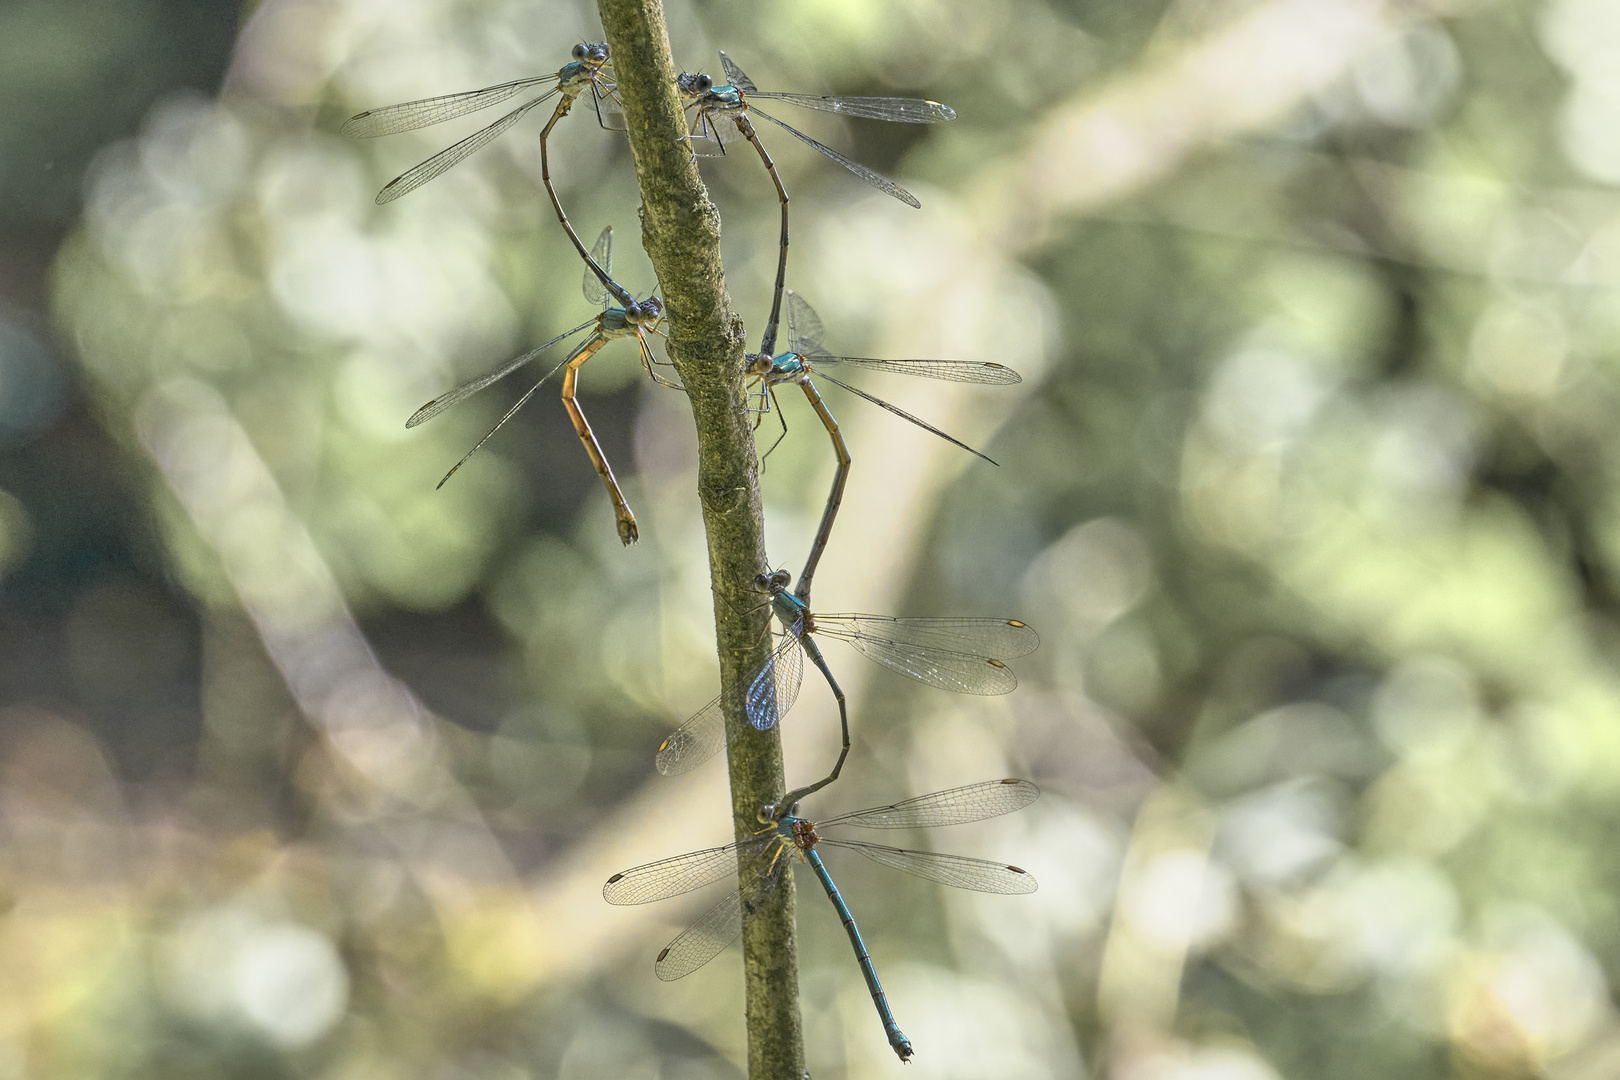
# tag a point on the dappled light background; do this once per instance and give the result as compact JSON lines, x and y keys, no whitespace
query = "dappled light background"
{"x":1311,"y":489}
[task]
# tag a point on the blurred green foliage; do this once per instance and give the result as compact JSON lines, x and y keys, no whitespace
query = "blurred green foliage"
{"x":308,"y":769}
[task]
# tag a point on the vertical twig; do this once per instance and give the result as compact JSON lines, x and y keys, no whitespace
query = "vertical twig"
{"x":681,"y":233}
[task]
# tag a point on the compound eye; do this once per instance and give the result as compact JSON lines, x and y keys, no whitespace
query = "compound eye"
{"x":703,"y":83}
{"x":632,"y":312}
{"x":579,"y":52}
{"x":780,"y":579}
{"x":762,"y":580}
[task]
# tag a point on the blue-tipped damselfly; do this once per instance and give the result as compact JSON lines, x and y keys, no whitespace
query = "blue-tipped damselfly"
{"x":756,"y":863}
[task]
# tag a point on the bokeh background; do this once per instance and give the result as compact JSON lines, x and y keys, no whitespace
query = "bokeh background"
{"x":308,"y":769}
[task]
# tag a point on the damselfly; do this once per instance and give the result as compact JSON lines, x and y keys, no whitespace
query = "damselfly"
{"x":767,"y":851}
{"x":588,"y":71}
{"x":637,"y":319}
{"x":721,"y":114}
{"x":964,"y":655}
{"x":806,"y":358}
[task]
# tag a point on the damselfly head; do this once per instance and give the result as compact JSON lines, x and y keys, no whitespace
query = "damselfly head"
{"x":644,"y":312}
{"x":757,"y":364}
{"x":693,"y":85}
{"x":774,"y":582}
{"x":594,"y":54}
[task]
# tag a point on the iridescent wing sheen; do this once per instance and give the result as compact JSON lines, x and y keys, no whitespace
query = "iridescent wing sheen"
{"x":776,"y":687}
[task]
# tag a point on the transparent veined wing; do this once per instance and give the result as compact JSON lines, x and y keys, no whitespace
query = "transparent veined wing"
{"x":981,"y":372}
{"x":712,"y":131}
{"x":694,"y":742}
{"x":957,"y":871}
{"x":592,"y":342}
{"x":1000,"y":639}
{"x":702,"y":941}
{"x":472,"y":386}
{"x":676,"y":875}
{"x":961,"y":655}
{"x":776,"y":687}
{"x":955,"y":806}
{"x":609,"y":109}
{"x":425,"y":112}
{"x":883,"y":184}
{"x":734,"y":74}
{"x":895,"y":109}
{"x":805,"y":330}
{"x":411,"y":179}
{"x":714,"y":929}
{"x":910,"y":419}
{"x":602,"y":252}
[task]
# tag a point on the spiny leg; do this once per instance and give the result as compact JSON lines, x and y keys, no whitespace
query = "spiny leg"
{"x":781,"y":418}
{"x":757,"y":411}
{"x":621,"y":509}
{"x":834,"y":497}
{"x":648,"y":359}
{"x":754,"y":609}
{"x":702,"y":128}
{"x":767,"y":344}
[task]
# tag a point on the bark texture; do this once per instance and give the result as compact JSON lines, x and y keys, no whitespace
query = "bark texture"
{"x":681,"y":234}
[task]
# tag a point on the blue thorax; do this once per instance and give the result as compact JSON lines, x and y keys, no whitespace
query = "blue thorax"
{"x":574,"y":77}
{"x":724,"y":97}
{"x":786,"y":367}
{"x":789,"y":608}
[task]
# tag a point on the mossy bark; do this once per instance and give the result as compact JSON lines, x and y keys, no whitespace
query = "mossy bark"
{"x":681,"y":234}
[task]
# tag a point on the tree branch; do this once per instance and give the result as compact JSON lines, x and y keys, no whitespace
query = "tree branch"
{"x":681,"y":234}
